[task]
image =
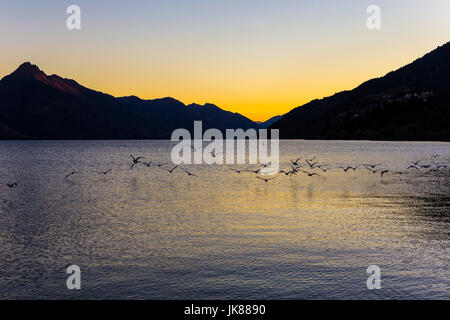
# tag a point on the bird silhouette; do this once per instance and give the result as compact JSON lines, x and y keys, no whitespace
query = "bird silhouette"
{"x":189,"y":173}
{"x":285,"y":172}
{"x":159,"y":165}
{"x":253,"y":171}
{"x":265,"y":165}
{"x":12,"y":185}
{"x":105,"y":172}
{"x":295,"y":163}
{"x":310,"y":174}
{"x":311,"y":165}
{"x":294,"y":170}
{"x":348,"y":168}
{"x":170,"y":170}
{"x":373,"y":171}
{"x":373,"y":166}
{"x":266,"y":179}
{"x":384,"y":172}
{"x":214,"y":154}
{"x":72,"y":173}
{"x":135,"y":161}
{"x":237,"y":171}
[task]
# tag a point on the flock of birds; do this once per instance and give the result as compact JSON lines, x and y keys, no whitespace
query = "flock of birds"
{"x":139,"y":161}
{"x":307,"y":166}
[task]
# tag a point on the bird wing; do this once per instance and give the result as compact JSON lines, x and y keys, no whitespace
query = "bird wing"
{"x":185,"y":170}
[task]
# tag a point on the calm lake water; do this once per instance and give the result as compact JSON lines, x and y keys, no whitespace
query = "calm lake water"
{"x":149,"y":234}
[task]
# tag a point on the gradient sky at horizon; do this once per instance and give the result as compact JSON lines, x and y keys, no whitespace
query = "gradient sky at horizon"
{"x":259,"y":58}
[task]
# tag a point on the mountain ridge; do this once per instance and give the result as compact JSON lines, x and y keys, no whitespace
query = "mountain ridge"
{"x":410,"y":103}
{"x":34,"y":105}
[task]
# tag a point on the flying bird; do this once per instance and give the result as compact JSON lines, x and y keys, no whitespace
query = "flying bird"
{"x":311,"y":174}
{"x":294,"y":170}
{"x":215,"y":154}
{"x":72,"y":173}
{"x":321,"y":167}
{"x":295,"y":163}
{"x":373,"y":171}
{"x":265,"y":165}
{"x":253,"y":171}
{"x":105,"y":172}
{"x":373,"y":166}
{"x":384,"y":172}
{"x":12,"y":185}
{"x":135,"y":160}
{"x":170,"y":170}
{"x":348,"y":168}
{"x":285,"y":172}
{"x":266,"y":179}
{"x":311,"y":165}
{"x":159,"y":165}
{"x":188,"y":173}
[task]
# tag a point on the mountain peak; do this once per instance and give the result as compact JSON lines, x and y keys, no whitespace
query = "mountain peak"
{"x":28,"y":68}
{"x":28,"y":73}
{"x":205,"y":106}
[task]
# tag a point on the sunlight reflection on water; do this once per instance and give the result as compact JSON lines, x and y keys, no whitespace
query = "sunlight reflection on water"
{"x":145,"y":233}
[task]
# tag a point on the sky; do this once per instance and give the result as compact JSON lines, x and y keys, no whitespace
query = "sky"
{"x":260,"y":58}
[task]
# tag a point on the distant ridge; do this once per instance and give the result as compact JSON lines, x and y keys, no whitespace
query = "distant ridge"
{"x":34,"y":105}
{"x":269,"y":122}
{"x":411,"y":103}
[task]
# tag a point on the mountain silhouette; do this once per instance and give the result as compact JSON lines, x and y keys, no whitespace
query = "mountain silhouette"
{"x":34,"y":105}
{"x":411,"y":103}
{"x":269,"y":122}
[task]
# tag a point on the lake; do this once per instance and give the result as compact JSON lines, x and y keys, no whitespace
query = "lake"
{"x":148,"y":234}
